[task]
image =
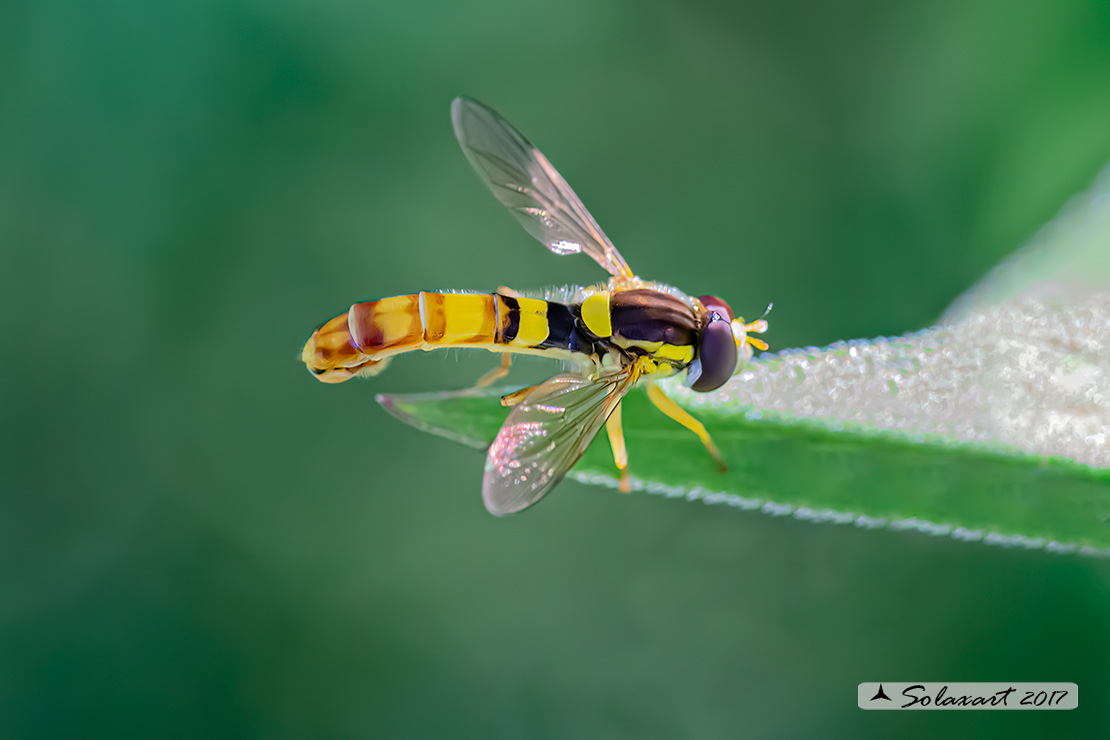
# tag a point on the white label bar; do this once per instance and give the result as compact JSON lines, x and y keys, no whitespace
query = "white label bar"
{"x":983,"y":695}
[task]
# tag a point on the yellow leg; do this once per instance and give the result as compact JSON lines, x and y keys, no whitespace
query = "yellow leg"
{"x":514,"y":398}
{"x":497,"y":373}
{"x":676,"y":412}
{"x":620,"y":452}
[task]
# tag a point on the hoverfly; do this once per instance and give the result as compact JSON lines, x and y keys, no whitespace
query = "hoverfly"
{"x":612,"y":335}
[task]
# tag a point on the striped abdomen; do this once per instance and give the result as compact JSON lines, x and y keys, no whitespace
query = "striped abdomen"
{"x":359,"y":341}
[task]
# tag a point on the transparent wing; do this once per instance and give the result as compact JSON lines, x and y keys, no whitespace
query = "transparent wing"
{"x":545,"y":435}
{"x":522,"y":178}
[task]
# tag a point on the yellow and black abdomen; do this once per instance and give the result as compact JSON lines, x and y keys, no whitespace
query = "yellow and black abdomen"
{"x":361,"y":340}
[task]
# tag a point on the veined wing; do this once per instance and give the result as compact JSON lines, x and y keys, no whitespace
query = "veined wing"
{"x":545,"y":435}
{"x":522,"y":179}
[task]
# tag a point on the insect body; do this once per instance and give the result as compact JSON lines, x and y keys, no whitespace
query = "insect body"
{"x":612,"y":335}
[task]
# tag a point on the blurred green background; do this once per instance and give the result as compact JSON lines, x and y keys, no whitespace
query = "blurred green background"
{"x":196,"y":538}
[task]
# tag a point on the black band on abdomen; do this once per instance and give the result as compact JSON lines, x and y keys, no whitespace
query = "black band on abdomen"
{"x":560,"y":326}
{"x":510,"y":325}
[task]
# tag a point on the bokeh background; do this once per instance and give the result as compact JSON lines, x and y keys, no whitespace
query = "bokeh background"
{"x":197,"y":539}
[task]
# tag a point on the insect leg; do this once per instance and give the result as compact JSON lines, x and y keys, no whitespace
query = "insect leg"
{"x":514,"y":398}
{"x":616,"y":441}
{"x":497,"y":373}
{"x":679,"y":414}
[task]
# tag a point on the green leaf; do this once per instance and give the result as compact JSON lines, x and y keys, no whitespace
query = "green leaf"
{"x":815,"y":473}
